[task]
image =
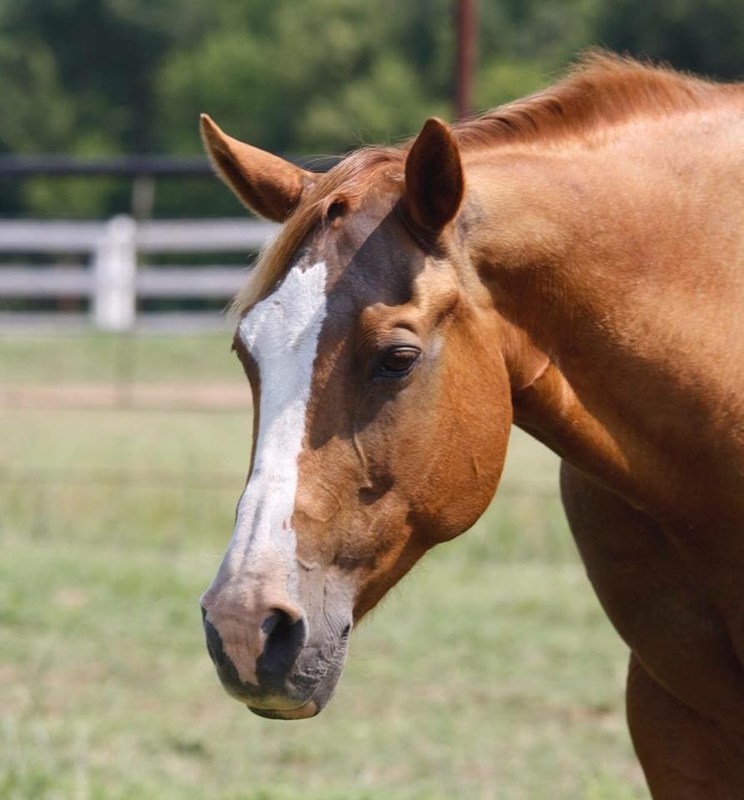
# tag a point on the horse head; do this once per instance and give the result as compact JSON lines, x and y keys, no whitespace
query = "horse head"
{"x":382,"y":406}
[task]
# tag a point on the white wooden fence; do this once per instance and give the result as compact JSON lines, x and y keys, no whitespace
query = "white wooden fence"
{"x":106,"y":262}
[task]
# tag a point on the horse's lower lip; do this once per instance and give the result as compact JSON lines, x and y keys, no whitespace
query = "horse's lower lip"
{"x":310,"y":709}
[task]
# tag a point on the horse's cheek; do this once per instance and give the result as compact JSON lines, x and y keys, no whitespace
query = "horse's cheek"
{"x":462,"y":468}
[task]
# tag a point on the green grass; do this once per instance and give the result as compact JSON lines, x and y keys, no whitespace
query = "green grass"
{"x":48,"y":359}
{"x":489,"y":673}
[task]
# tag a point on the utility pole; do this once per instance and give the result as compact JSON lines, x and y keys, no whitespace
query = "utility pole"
{"x":466,"y":27}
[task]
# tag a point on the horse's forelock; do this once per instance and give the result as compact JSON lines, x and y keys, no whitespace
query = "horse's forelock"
{"x":344,"y":184}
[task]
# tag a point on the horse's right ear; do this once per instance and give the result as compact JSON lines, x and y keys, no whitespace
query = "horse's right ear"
{"x":434,"y":179}
{"x":270,"y":186}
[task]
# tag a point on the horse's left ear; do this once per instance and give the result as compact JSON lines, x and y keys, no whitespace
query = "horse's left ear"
{"x":434,"y":179}
{"x":270,"y":186}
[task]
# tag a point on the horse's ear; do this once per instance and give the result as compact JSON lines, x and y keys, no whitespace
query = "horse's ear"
{"x":267,"y":184}
{"x":434,"y":180}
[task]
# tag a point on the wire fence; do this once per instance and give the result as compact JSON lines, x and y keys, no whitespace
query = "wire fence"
{"x":91,"y":376}
{"x":201,"y":480}
{"x":140,"y":438}
{"x":123,"y":414}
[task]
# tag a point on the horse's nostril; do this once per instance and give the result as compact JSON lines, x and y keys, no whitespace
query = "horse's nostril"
{"x":276,"y":619}
{"x":285,"y":638}
{"x":214,"y":644}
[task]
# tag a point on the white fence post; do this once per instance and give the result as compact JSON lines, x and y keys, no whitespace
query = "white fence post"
{"x":107,"y":264}
{"x":115,"y":269}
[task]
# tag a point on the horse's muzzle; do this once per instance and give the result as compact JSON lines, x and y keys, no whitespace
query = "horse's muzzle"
{"x":292,"y":681}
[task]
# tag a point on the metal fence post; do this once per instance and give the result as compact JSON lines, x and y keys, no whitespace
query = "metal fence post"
{"x":115,"y":272}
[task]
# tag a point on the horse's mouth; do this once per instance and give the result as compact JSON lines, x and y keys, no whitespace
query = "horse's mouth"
{"x":309,"y":693}
{"x":309,"y":709}
{"x":310,"y":705}
{"x":279,"y":706}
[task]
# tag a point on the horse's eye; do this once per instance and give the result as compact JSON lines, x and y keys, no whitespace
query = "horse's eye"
{"x":397,"y":362}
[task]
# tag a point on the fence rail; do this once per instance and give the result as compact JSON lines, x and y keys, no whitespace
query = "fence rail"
{"x":112,"y":272}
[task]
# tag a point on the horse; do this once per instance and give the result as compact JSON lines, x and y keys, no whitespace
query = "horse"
{"x":571,"y":263}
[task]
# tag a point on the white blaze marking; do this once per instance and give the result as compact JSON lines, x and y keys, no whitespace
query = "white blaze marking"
{"x":281,"y":333}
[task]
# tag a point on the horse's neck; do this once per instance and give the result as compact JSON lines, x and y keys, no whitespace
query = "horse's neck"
{"x":603,"y":260}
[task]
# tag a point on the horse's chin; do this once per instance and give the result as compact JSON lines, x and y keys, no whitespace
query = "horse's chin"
{"x":309,"y":707}
{"x":306,"y":711}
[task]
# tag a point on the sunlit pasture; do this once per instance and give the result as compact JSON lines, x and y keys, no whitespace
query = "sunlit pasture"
{"x":490,"y":672}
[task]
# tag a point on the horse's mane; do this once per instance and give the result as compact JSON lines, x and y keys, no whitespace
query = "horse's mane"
{"x":599,"y":92}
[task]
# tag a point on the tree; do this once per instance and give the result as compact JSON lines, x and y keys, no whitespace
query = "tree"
{"x":703,"y":36}
{"x":102,"y":77}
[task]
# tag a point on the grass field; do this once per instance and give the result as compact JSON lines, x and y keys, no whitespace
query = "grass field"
{"x":490,"y":673}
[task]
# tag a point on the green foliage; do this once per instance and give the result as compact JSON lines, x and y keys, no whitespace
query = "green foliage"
{"x":314,"y":77}
{"x":94,"y":77}
{"x":704,"y":36}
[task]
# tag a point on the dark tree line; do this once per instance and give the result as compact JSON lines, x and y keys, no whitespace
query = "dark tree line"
{"x":105,"y":77}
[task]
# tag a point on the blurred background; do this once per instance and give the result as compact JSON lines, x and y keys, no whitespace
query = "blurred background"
{"x":125,"y":421}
